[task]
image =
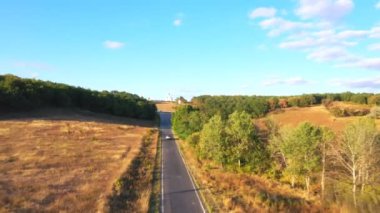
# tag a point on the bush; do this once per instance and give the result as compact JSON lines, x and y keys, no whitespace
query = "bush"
{"x":346,"y":112}
{"x":327,"y":102}
{"x":338,"y":112}
{"x":357,"y":112}
{"x":359,"y":98}
{"x":374,"y":100}
{"x":193,"y":139}
{"x":375,"y":112}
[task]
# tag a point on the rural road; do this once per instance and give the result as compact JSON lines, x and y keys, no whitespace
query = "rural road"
{"x":178,"y":191}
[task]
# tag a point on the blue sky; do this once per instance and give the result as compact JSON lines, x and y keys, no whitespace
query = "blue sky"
{"x":189,"y":48}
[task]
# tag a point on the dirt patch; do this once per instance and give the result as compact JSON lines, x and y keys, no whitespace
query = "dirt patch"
{"x":68,"y":163}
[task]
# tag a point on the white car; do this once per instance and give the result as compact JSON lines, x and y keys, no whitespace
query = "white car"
{"x":168,"y":137}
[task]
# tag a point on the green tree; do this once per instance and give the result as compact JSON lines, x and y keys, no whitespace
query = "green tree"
{"x":212,"y":140}
{"x":187,"y":120}
{"x":241,"y":137}
{"x":299,"y":148}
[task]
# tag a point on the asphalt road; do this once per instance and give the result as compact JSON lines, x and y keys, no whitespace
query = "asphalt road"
{"x":179,"y":193}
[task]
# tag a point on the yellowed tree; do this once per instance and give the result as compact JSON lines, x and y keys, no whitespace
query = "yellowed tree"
{"x":357,"y":152}
{"x":327,"y":137}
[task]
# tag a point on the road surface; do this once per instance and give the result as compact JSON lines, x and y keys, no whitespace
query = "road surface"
{"x":178,"y":191}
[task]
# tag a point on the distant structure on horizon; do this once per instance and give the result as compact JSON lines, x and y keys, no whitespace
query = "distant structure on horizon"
{"x":181,"y":100}
{"x":169,"y":98}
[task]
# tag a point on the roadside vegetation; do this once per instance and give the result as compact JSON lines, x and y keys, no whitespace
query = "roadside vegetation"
{"x":303,"y":167}
{"x":134,"y":191}
{"x":20,"y":94}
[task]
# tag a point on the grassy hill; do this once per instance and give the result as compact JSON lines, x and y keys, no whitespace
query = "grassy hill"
{"x":64,"y":160}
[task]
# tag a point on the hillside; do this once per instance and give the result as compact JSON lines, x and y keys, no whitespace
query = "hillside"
{"x":318,"y":115}
{"x":64,"y":160}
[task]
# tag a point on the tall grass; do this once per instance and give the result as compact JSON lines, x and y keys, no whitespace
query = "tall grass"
{"x":132,"y":191}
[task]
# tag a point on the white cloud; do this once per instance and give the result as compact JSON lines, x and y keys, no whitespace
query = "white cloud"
{"x":325,"y":38}
{"x":290,"y":81}
{"x":377,"y":6}
{"x":375,"y":32}
{"x":374,"y":47}
{"x":332,"y":46}
{"x":321,"y":37}
{"x":177,"y":22}
{"x":298,"y":44}
{"x":328,"y":54}
{"x":359,"y":83}
{"x":329,"y":10}
{"x":263,"y":12}
{"x":277,"y":26}
{"x":113,"y":44}
{"x":366,"y":63}
{"x":353,"y":34}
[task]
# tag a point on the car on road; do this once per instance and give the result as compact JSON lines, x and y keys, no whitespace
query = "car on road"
{"x":168,"y":137}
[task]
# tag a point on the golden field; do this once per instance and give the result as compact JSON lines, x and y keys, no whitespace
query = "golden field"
{"x":166,"y":106}
{"x":317,"y":115}
{"x":64,"y":161}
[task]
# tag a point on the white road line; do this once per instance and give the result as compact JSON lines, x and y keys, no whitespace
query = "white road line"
{"x":191,"y":179}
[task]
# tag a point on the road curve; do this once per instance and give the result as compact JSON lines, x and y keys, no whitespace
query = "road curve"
{"x":178,"y":191}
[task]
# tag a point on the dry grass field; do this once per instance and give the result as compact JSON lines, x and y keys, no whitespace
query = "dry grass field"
{"x":166,"y":106}
{"x":64,"y":161}
{"x":351,"y":105}
{"x":318,"y":115}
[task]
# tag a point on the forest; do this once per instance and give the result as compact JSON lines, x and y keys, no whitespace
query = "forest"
{"x":259,"y":106}
{"x":339,"y":168}
{"x":27,"y":94}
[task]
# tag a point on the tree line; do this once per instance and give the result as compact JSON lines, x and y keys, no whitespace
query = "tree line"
{"x":191,"y":118}
{"x":26,"y":94}
{"x":258,"y":106}
{"x":339,"y":168}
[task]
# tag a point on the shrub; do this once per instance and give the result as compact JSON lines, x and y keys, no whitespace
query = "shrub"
{"x":357,"y":112}
{"x":359,"y":98}
{"x":374,"y":100}
{"x":193,"y":139}
{"x":337,"y":112}
{"x":375,"y":112}
{"x":327,"y":102}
